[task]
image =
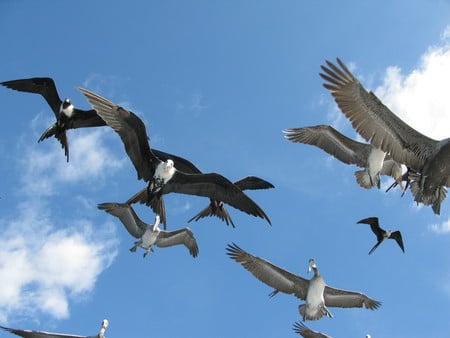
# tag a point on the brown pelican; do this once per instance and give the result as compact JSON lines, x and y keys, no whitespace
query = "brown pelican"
{"x":67,"y":116}
{"x":374,"y":161}
{"x":306,"y":332}
{"x":381,"y":234}
{"x":427,"y":158}
{"x":43,"y":334}
{"x":150,"y":234}
{"x":315,"y":292}
{"x":162,"y":176}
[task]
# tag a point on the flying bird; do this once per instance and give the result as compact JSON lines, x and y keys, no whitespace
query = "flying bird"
{"x":306,"y":332}
{"x":374,"y":161}
{"x":67,"y":116}
{"x":215,"y":208}
{"x":43,"y":334}
{"x":428,"y":159}
{"x":315,"y":292}
{"x":162,"y":176}
{"x":150,"y":234}
{"x":381,"y":234}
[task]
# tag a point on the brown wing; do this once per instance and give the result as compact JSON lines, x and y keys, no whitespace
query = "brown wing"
{"x":333,"y":142}
{"x":182,"y":236}
{"x":374,"y":121}
{"x":266,"y":272}
{"x":347,"y":299}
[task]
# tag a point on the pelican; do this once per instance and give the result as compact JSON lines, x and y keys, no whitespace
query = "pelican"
{"x":315,"y":292}
{"x":427,"y":158}
{"x":67,"y":116}
{"x":43,"y":334}
{"x":162,"y":176}
{"x":374,"y":161}
{"x":150,"y":234}
{"x":306,"y":332}
{"x":381,"y":234}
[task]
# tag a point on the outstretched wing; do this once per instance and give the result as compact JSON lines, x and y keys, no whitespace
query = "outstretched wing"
{"x":182,"y":236}
{"x":213,"y":186}
{"x":39,"y":334}
{"x":346,"y":299}
{"x":374,"y":121}
{"x":266,"y":272}
{"x":131,"y":130}
{"x":38,"y":85}
{"x":127,"y":216}
{"x":333,"y":142}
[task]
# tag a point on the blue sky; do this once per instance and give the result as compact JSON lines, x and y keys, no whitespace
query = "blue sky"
{"x":216,"y":82}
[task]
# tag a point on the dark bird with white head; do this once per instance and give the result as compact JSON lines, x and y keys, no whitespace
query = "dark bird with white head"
{"x":317,"y":294}
{"x":67,"y":116}
{"x":382,"y":234}
{"x":428,"y":159}
{"x":162,"y":176}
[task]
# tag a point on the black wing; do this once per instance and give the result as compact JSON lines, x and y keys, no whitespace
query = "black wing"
{"x":131,"y":130}
{"x":214,"y":186}
{"x":38,"y":85}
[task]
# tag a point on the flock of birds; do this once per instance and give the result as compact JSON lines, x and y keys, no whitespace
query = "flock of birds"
{"x":391,"y":144}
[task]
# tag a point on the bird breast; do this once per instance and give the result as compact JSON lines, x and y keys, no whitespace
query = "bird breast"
{"x":375,"y":161}
{"x":149,"y":238}
{"x":314,"y":296}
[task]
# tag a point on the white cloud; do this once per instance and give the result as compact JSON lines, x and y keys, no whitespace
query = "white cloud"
{"x":47,"y":261}
{"x":42,"y":267}
{"x":421,"y":97}
{"x":443,"y":228}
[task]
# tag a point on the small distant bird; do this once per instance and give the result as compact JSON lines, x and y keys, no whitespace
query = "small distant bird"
{"x":317,"y":294}
{"x":381,"y":234}
{"x":306,"y":332}
{"x":162,"y":176}
{"x":374,"y":161}
{"x":67,"y":116}
{"x":150,"y":234}
{"x":43,"y":334}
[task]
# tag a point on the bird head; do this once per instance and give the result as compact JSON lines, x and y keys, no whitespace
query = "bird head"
{"x":312,"y":265}
{"x":105,"y":323}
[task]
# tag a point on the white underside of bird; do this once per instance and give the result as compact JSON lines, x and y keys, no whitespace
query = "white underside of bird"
{"x":148,"y":238}
{"x":370,"y":176}
{"x":163,"y":174}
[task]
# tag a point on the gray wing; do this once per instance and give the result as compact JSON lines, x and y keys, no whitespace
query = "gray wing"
{"x":213,"y":186}
{"x":306,"y":332}
{"x":182,"y":236}
{"x":127,"y":216}
{"x":266,"y":272}
{"x":39,"y":334}
{"x":347,"y":299}
{"x":131,"y":130}
{"x":38,"y":85}
{"x":333,"y":142}
{"x":374,"y":121}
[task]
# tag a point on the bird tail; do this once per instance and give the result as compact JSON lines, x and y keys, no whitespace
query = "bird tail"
{"x":214,"y":209}
{"x":365,"y":181}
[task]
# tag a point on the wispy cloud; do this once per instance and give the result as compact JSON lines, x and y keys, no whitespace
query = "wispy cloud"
{"x":47,"y":260}
{"x":442,"y":228}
